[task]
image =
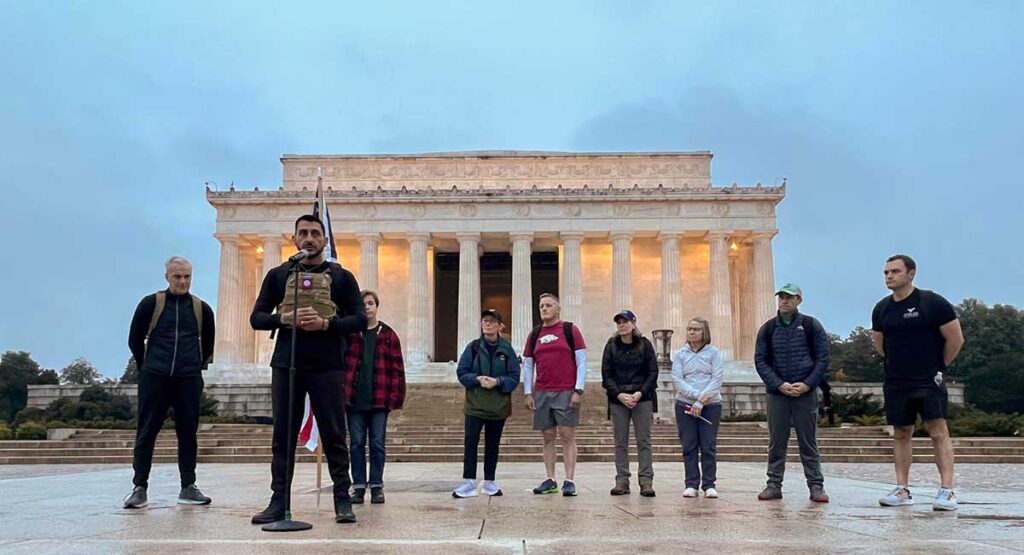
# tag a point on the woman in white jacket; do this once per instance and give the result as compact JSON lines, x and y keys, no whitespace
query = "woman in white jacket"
{"x":697,"y":372}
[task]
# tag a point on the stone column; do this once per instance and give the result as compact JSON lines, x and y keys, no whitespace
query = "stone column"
{"x":272,"y":245}
{"x":368,"y":246}
{"x":622,"y":270}
{"x":431,"y":322}
{"x":764,"y":278}
{"x":417,"y":348}
{"x":721,"y":292}
{"x":522,"y":289}
{"x":571,"y":295}
{"x":671,"y":286}
{"x":469,"y":288}
{"x":229,"y":325}
{"x":247,"y":298}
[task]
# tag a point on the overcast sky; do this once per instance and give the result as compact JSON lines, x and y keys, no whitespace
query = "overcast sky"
{"x":897,"y":124}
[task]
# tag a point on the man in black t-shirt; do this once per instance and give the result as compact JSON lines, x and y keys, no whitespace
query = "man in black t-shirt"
{"x":918,"y":334}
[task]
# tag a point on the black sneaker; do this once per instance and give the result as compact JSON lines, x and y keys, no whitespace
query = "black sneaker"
{"x":376,"y":495}
{"x":568,"y":489}
{"x":190,"y":495}
{"x":358,"y":496}
{"x":547,"y":486}
{"x":273,"y":513}
{"x":137,"y":499}
{"x":343,"y":510}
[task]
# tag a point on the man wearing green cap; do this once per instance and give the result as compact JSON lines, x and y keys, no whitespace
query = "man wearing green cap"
{"x":791,"y":357}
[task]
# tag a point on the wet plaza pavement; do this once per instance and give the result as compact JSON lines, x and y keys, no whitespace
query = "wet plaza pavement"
{"x":76,"y":509}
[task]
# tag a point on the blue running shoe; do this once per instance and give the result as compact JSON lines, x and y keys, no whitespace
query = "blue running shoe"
{"x":568,"y":489}
{"x":547,"y":486}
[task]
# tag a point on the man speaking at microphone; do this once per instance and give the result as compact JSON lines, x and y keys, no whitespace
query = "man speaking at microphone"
{"x":329,"y":308}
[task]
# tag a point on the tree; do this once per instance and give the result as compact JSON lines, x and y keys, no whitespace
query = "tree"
{"x":131,"y":372}
{"x":854,"y":359}
{"x":991,"y":363}
{"x":17,"y":371}
{"x":80,"y":372}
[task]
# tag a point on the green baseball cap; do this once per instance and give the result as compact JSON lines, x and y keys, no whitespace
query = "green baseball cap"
{"x":790,"y":289}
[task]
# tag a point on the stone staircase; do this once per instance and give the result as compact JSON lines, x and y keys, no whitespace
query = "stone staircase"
{"x":430,"y":428}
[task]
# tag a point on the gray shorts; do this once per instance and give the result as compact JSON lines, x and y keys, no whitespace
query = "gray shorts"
{"x":551,"y":408}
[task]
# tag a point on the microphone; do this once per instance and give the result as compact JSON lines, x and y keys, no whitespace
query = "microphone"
{"x":299,"y":256}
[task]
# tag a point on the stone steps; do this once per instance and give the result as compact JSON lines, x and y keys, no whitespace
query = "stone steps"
{"x":440,"y":440}
{"x":512,"y":440}
{"x":535,"y":457}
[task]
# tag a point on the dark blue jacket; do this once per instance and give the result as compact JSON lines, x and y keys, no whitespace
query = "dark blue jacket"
{"x":791,"y":354}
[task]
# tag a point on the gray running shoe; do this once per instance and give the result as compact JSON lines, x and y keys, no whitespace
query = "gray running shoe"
{"x":137,"y":499}
{"x":190,"y":495}
{"x":770,"y":492}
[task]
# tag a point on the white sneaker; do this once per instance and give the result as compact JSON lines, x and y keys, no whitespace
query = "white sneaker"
{"x":491,"y":488}
{"x":898,"y":497}
{"x":945,"y":500}
{"x":467,"y":489}
{"x":690,"y":492}
{"x":711,"y":493}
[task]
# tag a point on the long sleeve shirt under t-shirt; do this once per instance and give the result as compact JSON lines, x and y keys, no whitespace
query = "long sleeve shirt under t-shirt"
{"x":558,"y":368}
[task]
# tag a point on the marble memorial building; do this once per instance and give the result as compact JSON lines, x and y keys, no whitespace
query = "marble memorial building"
{"x":441,"y":236}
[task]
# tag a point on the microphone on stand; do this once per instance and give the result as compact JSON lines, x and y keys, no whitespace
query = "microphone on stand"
{"x":299,"y":256}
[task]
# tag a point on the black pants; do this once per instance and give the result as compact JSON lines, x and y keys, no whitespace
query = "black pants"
{"x":326,"y":396}
{"x":157,"y":394}
{"x":491,"y":442}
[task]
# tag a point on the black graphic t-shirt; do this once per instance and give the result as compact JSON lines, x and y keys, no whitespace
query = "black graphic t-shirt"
{"x":912,"y":341}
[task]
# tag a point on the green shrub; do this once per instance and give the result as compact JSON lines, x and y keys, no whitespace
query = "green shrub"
{"x":869,"y":420}
{"x":228,"y":420}
{"x":30,"y":414}
{"x":95,"y":403}
{"x":31,"y":430}
{"x":970,"y":421}
{"x":93,"y":424}
{"x":5,"y":430}
{"x":848,"y":407}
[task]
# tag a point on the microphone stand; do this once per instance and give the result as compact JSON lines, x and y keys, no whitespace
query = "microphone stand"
{"x":289,"y":525}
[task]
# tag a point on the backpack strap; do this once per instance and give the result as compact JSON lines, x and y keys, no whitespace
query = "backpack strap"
{"x":197,"y":309}
{"x":161,"y":302}
{"x":809,"y":336}
{"x":534,"y":336}
{"x":769,"y":331}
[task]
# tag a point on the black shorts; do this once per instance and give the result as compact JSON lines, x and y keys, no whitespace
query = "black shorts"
{"x":903,"y":402}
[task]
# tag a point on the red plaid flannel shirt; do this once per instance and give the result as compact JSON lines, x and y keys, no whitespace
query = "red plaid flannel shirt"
{"x":388,"y":368}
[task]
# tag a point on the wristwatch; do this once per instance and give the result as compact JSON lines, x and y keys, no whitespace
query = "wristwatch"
{"x":580,"y":391}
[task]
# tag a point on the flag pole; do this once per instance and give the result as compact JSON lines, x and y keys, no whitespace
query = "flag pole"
{"x":320,"y":444}
{"x":319,"y":471}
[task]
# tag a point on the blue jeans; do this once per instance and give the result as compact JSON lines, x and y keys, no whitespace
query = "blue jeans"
{"x":375,"y":423}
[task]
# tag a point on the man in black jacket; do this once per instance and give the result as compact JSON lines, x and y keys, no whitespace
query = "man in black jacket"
{"x":171,"y":338}
{"x":329,"y":308}
{"x":791,"y":357}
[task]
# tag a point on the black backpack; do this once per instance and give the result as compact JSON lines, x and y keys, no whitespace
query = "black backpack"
{"x":566,"y":331}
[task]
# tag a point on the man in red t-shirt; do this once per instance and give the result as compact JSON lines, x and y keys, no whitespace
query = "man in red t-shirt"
{"x":556,"y":351}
